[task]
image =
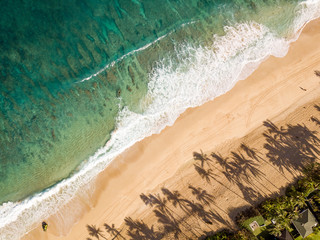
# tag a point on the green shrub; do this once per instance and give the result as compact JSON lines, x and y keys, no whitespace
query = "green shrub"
{"x":226,"y":234}
{"x":246,"y":214}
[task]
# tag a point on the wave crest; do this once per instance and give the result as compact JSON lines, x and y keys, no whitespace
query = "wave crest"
{"x":198,"y":75}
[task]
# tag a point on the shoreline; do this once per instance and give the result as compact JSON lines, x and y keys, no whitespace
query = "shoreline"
{"x":234,"y":115}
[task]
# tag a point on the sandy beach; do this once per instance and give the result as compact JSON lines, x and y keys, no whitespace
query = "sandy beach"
{"x":282,"y":90}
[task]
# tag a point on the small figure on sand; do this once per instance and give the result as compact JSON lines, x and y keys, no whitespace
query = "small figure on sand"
{"x":44,"y":226}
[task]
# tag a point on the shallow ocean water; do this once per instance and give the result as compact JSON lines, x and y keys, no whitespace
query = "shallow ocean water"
{"x":90,"y":79}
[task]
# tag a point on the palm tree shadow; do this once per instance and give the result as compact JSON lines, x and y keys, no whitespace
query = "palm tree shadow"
{"x":249,"y":169}
{"x":205,"y":174}
{"x":176,"y":199}
{"x":251,"y":195}
{"x":238,"y":171}
{"x":306,"y":140}
{"x":315,"y":120}
{"x":245,"y":166}
{"x":95,"y":232}
{"x":231,"y":170}
{"x":201,"y":195}
{"x":198,"y":210}
{"x":291,"y":147}
{"x":170,"y":225}
{"x":208,"y":175}
{"x":227,"y":165}
{"x":254,"y":154}
{"x":113,"y":231}
{"x":218,"y":218}
{"x":202,"y":158}
{"x":138,"y":230}
{"x":204,"y":197}
{"x":161,"y":206}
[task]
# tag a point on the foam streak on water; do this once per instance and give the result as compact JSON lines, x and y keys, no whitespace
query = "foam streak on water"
{"x":129,"y":54}
{"x":121,"y":58}
{"x":202,"y":73}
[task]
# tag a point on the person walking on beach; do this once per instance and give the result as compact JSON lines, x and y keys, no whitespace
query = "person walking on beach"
{"x":44,"y":226}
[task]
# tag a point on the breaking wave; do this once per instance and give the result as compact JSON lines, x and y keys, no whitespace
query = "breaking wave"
{"x":197,"y":75}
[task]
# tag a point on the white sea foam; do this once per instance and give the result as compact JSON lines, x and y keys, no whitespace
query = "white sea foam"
{"x":121,"y":58}
{"x":201,"y":75}
{"x":308,"y":11}
{"x":130,"y":53}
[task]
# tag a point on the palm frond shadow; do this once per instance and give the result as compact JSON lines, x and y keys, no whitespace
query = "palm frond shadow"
{"x":291,"y":147}
{"x":169,"y":224}
{"x":138,"y":230}
{"x":202,"y":195}
{"x":113,"y":231}
{"x":95,"y":232}
{"x":202,"y":158}
{"x":257,"y":156}
{"x":287,"y":148}
{"x":249,"y":172}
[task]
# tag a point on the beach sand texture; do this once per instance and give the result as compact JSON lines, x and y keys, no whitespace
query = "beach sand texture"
{"x":282,"y":90}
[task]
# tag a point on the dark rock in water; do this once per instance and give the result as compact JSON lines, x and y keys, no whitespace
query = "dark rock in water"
{"x":131,"y":74}
{"x":119,"y":92}
{"x":53,"y":134}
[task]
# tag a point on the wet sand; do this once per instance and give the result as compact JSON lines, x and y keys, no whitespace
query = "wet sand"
{"x":282,"y":90}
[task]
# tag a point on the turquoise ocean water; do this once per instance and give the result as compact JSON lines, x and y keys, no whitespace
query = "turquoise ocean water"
{"x":81,"y":81}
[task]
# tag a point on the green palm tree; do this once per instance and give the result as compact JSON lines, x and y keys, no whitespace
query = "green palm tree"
{"x":312,"y":173}
{"x":317,"y":199}
{"x":300,"y":201}
{"x":95,"y":232}
{"x":307,"y":187}
{"x":276,"y":229}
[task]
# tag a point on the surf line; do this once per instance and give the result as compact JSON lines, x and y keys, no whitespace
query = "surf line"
{"x":131,"y":53}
